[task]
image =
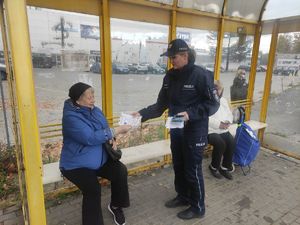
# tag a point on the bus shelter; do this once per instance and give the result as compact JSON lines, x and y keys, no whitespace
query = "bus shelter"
{"x":115,"y":46}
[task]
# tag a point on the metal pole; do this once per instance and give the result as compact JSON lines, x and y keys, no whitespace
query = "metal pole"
{"x":106,"y":77}
{"x":252,"y":75}
{"x":17,"y":23}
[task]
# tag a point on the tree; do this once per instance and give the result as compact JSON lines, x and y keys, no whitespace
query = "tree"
{"x":212,"y":39}
{"x":241,"y":48}
{"x":284,"y":43}
{"x":296,"y":43}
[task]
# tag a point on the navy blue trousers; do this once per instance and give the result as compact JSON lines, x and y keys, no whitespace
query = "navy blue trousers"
{"x":187,"y":153}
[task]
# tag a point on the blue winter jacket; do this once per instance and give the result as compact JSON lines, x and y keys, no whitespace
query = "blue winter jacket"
{"x":85,"y":130}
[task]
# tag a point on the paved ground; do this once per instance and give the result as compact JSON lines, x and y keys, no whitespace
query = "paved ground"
{"x":270,"y":194}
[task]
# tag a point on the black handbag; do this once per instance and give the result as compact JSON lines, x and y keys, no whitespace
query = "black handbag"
{"x":115,"y":155}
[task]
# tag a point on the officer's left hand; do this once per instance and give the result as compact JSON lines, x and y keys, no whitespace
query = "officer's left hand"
{"x":185,"y":115}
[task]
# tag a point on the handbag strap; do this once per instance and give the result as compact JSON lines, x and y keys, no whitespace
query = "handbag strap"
{"x":242,"y":115}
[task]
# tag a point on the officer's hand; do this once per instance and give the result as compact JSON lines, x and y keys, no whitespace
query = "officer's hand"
{"x":185,"y":115}
{"x":135,"y":114}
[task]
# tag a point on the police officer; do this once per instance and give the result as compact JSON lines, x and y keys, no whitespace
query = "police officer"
{"x":187,"y":91}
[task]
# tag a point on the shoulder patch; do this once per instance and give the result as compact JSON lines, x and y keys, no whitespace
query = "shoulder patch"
{"x":216,"y":96}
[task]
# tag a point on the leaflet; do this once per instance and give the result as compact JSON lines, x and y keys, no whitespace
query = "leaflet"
{"x":175,"y":122}
{"x":127,"y":119}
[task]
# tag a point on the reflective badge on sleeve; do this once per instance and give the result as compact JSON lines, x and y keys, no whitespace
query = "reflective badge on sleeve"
{"x":215,"y":95}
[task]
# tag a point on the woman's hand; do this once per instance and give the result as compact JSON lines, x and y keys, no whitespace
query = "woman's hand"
{"x":113,"y":142}
{"x":122,"y":129}
{"x":224,"y":125}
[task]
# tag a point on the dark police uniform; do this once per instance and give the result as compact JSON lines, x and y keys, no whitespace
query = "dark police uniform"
{"x":189,"y":89}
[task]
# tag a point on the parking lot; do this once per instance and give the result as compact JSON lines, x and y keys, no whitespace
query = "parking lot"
{"x":130,"y":91}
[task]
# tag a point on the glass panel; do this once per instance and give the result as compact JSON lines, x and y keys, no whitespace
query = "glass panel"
{"x":204,"y":44}
{"x":6,"y":125}
{"x":138,"y":69}
{"x":236,"y":60}
{"x":213,"y":6}
{"x":279,"y":9}
{"x":244,"y":9}
{"x":168,"y":2}
{"x":283,"y":131}
{"x":262,"y":63}
{"x":64,"y":46}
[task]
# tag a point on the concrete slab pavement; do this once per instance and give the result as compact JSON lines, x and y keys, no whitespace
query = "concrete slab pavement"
{"x":270,"y":194}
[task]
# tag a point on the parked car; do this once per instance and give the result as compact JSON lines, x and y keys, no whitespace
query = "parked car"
{"x":132,"y":67}
{"x":282,"y":71}
{"x":211,"y":67}
{"x":3,"y":70}
{"x":41,"y":60}
{"x":120,"y":69}
{"x":142,"y":68}
{"x":244,"y":67}
{"x":155,"y":69}
{"x":96,"y":67}
{"x":261,"y":68}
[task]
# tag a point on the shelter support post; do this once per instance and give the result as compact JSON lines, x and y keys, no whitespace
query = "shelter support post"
{"x":172,"y":27}
{"x":252,"y":75}
{"x":22,"y":66}
{"x":106,"y":65}
{"x":268,"y":79}
{"x":218,"y":58}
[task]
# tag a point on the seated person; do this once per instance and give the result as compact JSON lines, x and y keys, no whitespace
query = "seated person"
{"x":220,"y":138}
{"x":239,"y":88}
{"x":84,"y":158}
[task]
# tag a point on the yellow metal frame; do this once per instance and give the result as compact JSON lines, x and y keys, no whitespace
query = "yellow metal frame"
{"x":11,"y":90}
{"x":138,"y":10}
{"x":252,"y":75}
{"x":268,"y":80}
{"x":106,"y":60}
{"x":219,"y":49}
{"x":16,"y":17}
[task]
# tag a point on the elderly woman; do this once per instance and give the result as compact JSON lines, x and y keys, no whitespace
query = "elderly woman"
{"x":84,"y":159}
{"x":220,"y":138}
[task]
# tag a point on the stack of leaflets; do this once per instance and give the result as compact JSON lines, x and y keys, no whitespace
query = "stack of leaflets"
{"x":175,"y":122}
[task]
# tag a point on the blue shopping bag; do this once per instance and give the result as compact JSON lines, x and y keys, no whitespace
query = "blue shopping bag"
{"x":246,"y":144}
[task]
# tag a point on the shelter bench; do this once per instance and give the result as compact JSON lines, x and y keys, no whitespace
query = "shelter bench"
{"x":51,"y":172}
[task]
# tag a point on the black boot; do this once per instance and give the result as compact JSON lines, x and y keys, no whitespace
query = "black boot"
{"x":190,"y":213}
{"x":176,"y":202}
{"x":214,"y":172}
{"x":226,"y":173}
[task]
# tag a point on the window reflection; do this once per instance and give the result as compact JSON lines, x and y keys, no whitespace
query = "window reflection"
{"x":213,"y":6}
{"x":236,"y":62}
{"x":204,"y":43}
{"x":137,"y":66}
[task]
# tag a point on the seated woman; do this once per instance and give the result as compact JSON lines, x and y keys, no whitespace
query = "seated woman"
{"x":220,"y":138}
{"x":84,"y":159}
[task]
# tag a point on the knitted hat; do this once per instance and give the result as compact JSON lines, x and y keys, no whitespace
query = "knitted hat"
{"x":77,"y":90}
{"x":176,"y":46}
